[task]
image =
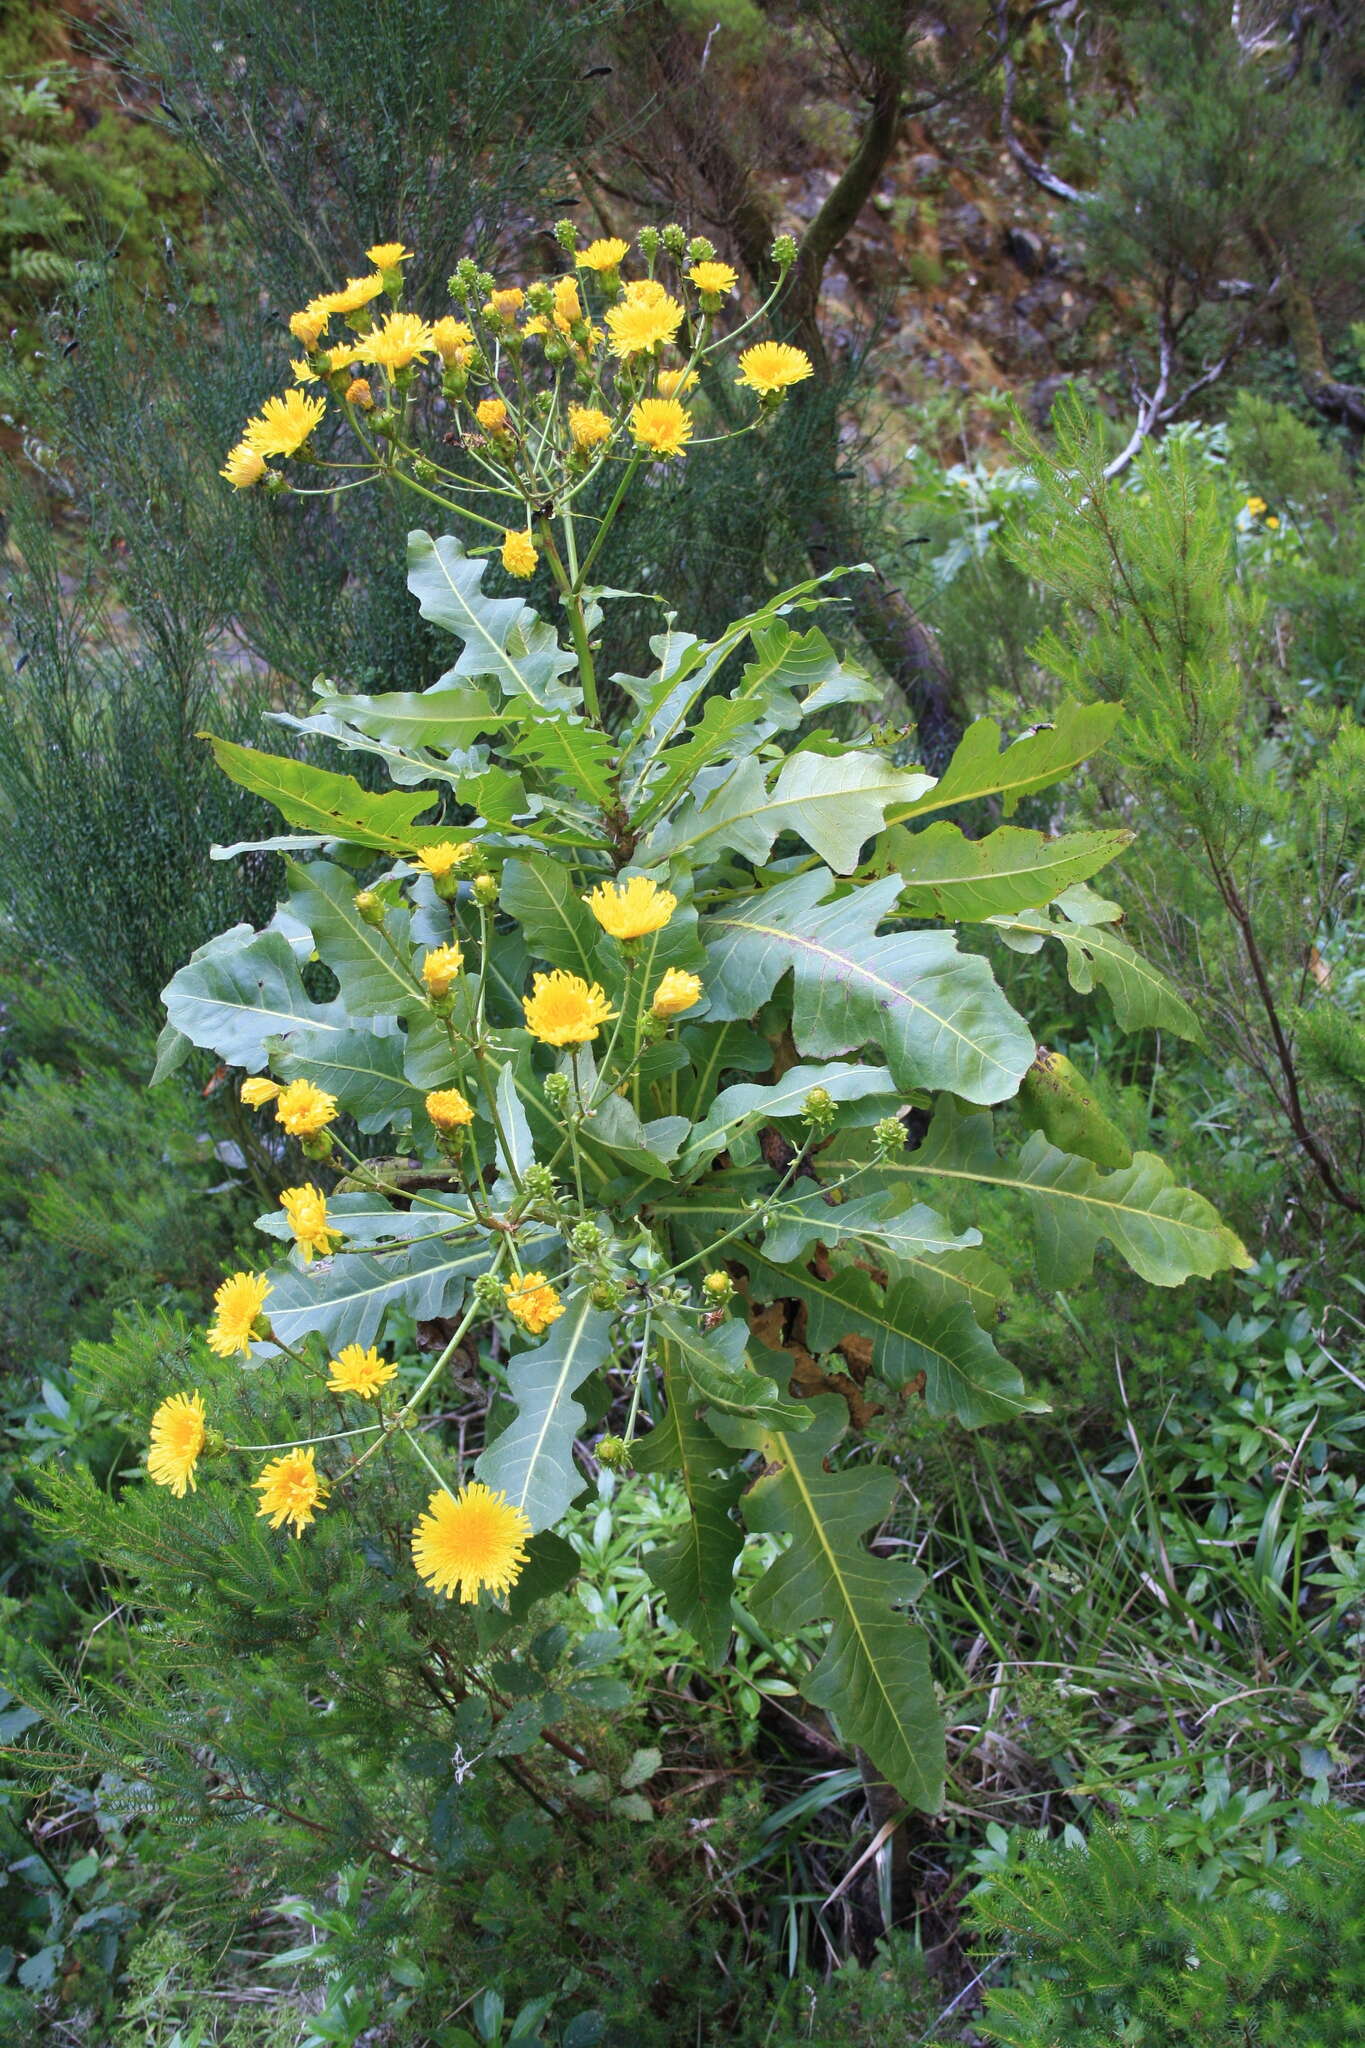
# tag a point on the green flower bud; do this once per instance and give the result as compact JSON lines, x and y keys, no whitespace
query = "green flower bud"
{"x":485,"y":890}
{"x":614,"y":1453}
{"x":784,"y":251}
{"x":540,"y":298}
{"x":539,"y":1183}
{"x":648,"y":239}
{"x":369,"y":907}
{"x":607,"y":1294}
{"x":273,"y":484}
{"x":699,"y":250}
{"x":425,"y":472}
{"x":674,"y":240}
{"x":556,"y":1090}
{"x":888,"y":1137}
{"x":818,"y":1109}
{"x":488,"y":1291}
{"x":566,"y":234}
{"x":718,"y":1286}
{"x":586,"y":1240}
{"x":318,"y":1146}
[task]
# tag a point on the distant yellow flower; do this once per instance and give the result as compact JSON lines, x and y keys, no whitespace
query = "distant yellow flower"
{"x":305,"y":1109}
{"x":606,"y":254}
{"x":1255,"y":506}
{"x":675,"y":383}
{"x":283,"y":424}
{"x":400,"y":340}
{"x":589,"y":427}
{"x":661,"y":425}
{"x":453,"y":340}
{"x":563,"y":1009}
{"x":440,"y":968}
{"x":567,"y":305}
{"x":677,"y":991}
{"x":470,"y":1539}
{"x":772,"y":366}
{"x":177,"y":1438}
{"x":506,"y":304}
{"x":631,"y":908}
{"x":388,"y":255}
{"x":357,"y":1371}
{"x":1273,"y":523}
{"x":448,"y":1109}
{"x":305,"y":1212}
{"x":358,"y":392}
{"x":639,"y":325}
{"x":532,"y":1302}
{"x":519,"y":552}
{"x":291,"y":1490}
{"x":355,"y":293}
{"x":244,"y":467}
{"x":491,"y":414}
{"x":259,"y":1090}
{"x":307,"y":326}
{"x":446,"y":854}
{"x":713,"y":278}
{"x":239,"y":1302}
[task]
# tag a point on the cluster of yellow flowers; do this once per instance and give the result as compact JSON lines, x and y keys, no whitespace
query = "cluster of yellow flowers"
{"x":476,"y":1538}
{"x":464,"y":1542}
{"x":629,"y":350}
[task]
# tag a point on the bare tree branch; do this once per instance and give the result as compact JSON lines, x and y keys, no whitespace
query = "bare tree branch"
{"x":1039,"y":173}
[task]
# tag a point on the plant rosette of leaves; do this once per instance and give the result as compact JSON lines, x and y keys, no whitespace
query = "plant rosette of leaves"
{"x":668,"y":1022}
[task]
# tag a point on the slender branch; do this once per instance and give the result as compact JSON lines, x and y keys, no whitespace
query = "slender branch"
{"x":1030,"y":166}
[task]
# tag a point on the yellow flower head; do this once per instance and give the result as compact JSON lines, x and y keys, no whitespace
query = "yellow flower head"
{"x":607,"y":254}
{"x":567,"y":305}
{"x":532,"y":1302}
{"x":589,"y":427}
{"x":343,"y":357}
{"x":519,"y":552}
{"x":491,"y":414}
{"x":307,"y":326}
{"x":388,"y":255}
{"x":1272,"y":522}
{"x":355,"y":293}
{"x":177,"y":1438}
{"x":646,"y":291}
{"x":291,"y":1490}
{"x":772,"y":366}
{"x":358,"y":392}
{"x":675,"y":383}
{"x":677,"y":991}
{"x":244,"y":467}
{"x":305,"y":1212}
{"x":239,"y":1302}
{"x":638,"y":325}
{"x":453,"y":341}
{"x":631,"y":908}
{"x":259,"y":1090}
{"x":713,"y":278}
{"x":506,"y":304}
{"x":563,"y":1009}
{"x":438,"y":860}
{"x":304,"y":1109}
{"x":661,"y":425}
{"x":448,"y":1109}
{"x":440,"y":968}
{"x":283,"y":424}
{"x":303,"y":371}
{"x":357,"y":1371}
{"x":470,"y":1539}
{"x":400,"y":340}
{"x":1255,"y":506}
